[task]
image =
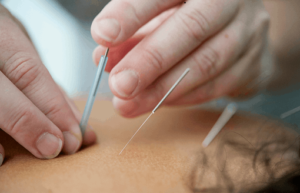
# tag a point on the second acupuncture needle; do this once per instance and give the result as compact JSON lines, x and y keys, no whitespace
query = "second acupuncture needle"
{"x":157,"y":106}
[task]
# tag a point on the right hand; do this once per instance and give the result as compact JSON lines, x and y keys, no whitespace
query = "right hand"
{"x":223,"y":42}
{"x":33,"y":109}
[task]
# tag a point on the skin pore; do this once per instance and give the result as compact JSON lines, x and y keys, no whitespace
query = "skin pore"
{"x":165,"y":156}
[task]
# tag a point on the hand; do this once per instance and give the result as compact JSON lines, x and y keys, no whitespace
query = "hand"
{"x":152,"y":42}
{"x":33,"y":110}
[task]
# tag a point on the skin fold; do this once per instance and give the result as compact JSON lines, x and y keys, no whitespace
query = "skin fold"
{"x":165,"y":156}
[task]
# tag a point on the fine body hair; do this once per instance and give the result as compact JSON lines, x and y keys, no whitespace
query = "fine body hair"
{"x":266,"y":160}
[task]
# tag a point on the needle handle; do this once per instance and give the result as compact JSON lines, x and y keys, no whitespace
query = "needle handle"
{"x":172,"y":88}
{"x":93,"y":93}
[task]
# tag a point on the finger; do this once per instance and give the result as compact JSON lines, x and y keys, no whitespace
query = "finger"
{"x":250,"y":36}
{"x":119,"y":20}
{"x":21,"y":64}
{"x":234,"y":80}
{"x":2,"y":154}
{"x":215,"y":88}
{"x":183,"y":32}
{"x":27,"y":124}
{"x":206,"y":62}
{"x":89,"y":135}
{"x":118,"y":52}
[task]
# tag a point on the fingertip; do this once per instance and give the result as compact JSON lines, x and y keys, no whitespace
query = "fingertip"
{"x":105,"y":31}
{"x":124,"y":83}
{"x":73,"y":140}
{"x":72,"y":136}
{"x":125,"y":108}
{"x":97,"y":53}
{"x":95,"y":56}
{"x":89,"y":136}
{"x":49,"y":145}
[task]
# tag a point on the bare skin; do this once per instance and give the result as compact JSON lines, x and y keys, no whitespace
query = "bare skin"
{"x":32,"y":106}
{"x":166,"y":156}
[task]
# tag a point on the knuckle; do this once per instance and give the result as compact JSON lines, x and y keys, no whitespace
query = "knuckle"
{"x":195,"y":23}
{"x":56,"y":106}
{"x":153,"y":58}
{"x":22,"y":70}
{"x":132,"y":12}
{"x":206,"y":62}
{"x":23,"y":118}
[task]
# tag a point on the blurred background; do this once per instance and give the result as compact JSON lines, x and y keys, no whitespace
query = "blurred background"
{"x":60,"y":30}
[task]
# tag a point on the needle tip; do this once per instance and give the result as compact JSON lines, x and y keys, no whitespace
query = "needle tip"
{"x":106,"y":52}
{"x":122,"y":150}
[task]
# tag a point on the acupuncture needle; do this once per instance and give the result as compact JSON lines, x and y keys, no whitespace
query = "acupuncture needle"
{"x":290,"y":112}
{"x":229,"y":111}
{"x":93,"y":93}
{"x":157,"y":106}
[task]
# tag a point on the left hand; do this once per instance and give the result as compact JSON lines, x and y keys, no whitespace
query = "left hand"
{"x":223,"y":42}
{"x":33,"y":110}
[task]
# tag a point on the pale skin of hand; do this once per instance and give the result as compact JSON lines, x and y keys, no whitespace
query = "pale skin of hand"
{"x":152,"y":42}
{"x":33,"y":109}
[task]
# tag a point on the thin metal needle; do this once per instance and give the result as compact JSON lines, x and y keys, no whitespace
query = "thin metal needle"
{"x":157,"y":106}
{"x":290,"y":112}
{"x":172,"y":88}
{"x":106,"y":52}
{"x":136,"y":133}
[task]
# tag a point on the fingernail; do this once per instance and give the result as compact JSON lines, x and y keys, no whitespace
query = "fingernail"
{"x":49,"y":145}
{"x":72,"y":142}
{"x":125,"y":82}
{"x":1,"y":159}
{"x":108,"y":29}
